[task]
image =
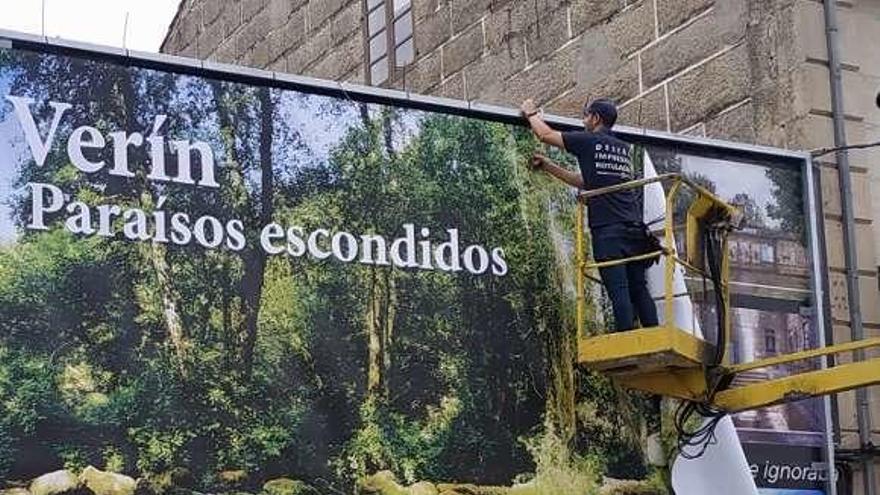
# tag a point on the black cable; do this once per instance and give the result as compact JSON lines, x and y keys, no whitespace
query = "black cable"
{"x":715,"y":260}
{"x":704,"y":435}
{"x":825,"y":151}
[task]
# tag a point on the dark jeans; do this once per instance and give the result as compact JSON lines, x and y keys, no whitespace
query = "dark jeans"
{"x":626,"y":284}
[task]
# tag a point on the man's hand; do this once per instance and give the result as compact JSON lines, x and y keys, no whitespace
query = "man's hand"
{"x":528,"y":108}
{"x":544,"y":164}
{"x":538,"y":161}
{"x":542,"y":131}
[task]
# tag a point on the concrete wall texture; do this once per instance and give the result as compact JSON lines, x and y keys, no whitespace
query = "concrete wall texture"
{"x":746,"y":70}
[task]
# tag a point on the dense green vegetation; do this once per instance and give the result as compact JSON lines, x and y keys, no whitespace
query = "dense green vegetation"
{"x":144,"y":358}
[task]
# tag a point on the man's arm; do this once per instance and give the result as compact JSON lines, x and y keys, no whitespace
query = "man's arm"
{"x":570,"y":177}
{"x":544,"y":132}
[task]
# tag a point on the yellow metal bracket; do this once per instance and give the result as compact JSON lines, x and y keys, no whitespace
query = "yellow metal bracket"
{"x":839,"y":378}
{"x":800,"y":356}
{"x":800,"y":386}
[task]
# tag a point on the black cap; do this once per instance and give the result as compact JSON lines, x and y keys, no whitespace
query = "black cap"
{"x":605,"y":109}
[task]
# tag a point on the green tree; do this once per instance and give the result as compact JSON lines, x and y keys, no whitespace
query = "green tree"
{"x":788,"y":195}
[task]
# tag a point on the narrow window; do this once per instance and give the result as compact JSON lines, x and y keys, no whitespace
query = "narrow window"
{"x":389,"y":46}
{"x":770,"y":341}
{"x":404,"y":52}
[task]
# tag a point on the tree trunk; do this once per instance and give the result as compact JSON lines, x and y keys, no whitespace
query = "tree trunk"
{"x":255,"y":258}
{"x":561,"y":346}
{"x":227,"y":133}
{"x":227,"y":308}
{"x":173,"y":323}
{"x":382,"y":298}
{"x":390,"y":312}
{"x":381,"y":312}
{"x":156,"y":252}
{"x":374,"y":339}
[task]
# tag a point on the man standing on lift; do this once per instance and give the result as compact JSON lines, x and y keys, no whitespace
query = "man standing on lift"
{"x":615,"y":219}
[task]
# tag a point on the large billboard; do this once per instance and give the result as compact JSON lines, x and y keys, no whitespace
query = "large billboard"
{"x":213,"y":282}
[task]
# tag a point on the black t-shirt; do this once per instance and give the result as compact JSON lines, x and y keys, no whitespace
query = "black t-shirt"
{"x":605,"y":161}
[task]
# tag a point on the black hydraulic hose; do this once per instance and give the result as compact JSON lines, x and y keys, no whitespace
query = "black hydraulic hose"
{"x":692,"y":444}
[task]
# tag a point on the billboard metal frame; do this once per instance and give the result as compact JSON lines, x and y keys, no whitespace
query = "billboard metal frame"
{"x":700,"y":146}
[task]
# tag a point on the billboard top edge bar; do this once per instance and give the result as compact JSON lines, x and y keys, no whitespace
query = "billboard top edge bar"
{"x":370,"y":94}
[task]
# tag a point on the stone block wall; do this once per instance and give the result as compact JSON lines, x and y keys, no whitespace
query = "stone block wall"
{"x":321,"y":38}
{"x":746,"y":70}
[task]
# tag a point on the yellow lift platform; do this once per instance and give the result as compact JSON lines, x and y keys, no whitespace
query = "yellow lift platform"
{"x":673,"y":362}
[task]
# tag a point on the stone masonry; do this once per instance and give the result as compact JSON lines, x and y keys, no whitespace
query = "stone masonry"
{"x":753,"y":71}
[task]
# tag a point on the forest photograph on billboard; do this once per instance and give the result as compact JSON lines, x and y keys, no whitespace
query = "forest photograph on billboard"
{"x":218,"y":285}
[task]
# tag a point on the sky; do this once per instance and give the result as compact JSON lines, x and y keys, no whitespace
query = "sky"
{"x":749,"y":178}
{"x":102,"y":22}
{"x":94,"y":21}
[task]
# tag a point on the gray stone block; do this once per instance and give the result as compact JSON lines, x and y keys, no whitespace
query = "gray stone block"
{"x":462,"y":50}
{"x":278,"y":11}
{"x":709,"y":88}
{"x":225,"y":52}
{"x":259,"y":56}
{"x":511,"y":20}
{"x":210,"y":39}
{"x":211,"y":11}
{"x":251,"y":33}
{"x":620,"y":84}
{"x":424,"y":74}
{"x":357,"y":75}
{"x":453,"y":87}
{"x":278,"y":65}
{"x":648,"y":111}
{"x":321,"y":43}
{"x":250,"y":8}
{"x":498,"y":64}
{"x":597,"y":58}
{"x":321,"y":10}
{"x":432,"y":32}
{"x":189,"y":51}
{"x":569,"y":104}
{"x":298,"y":59}
{"x":188,"y":27}
{"x":231,"y":18}
{"x":466,"y":12}
{"x":673,"y":13}
{"x":501,"y":27}
{"x":172,"y":41}
{"x":631,"y":29}
{"x":288,"y":36}
{"x":343,"y":59}
{"x":735,"y":125}
{"x":347,"y":21}
{"x":549,"y":34}
{"x":424,"y":8}
{"x":707,"y":35}
{"x":588,"y":13}
{"x":535,"y":83}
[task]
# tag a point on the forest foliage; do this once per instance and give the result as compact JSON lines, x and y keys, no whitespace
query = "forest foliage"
{"x":143,"y":358}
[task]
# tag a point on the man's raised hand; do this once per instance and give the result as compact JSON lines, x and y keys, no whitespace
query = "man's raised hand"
{"x":528,"y":108}
{"x":538,"y":161}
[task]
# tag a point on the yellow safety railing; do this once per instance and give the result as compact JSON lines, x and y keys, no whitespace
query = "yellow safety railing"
{"x":669,"y":252}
